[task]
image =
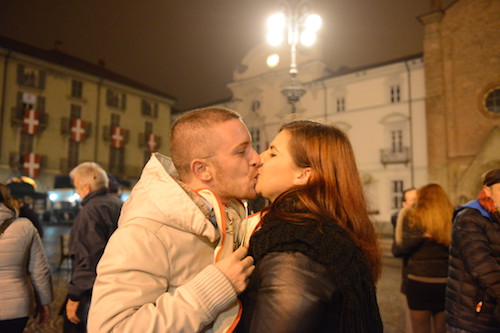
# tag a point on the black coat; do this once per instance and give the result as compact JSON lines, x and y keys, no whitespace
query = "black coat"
{"x":94,"y":224}
{"x":474,"y":272}
{"x":308,"y":280}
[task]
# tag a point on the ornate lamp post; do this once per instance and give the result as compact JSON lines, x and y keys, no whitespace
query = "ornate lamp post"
{"x":300,"y":26}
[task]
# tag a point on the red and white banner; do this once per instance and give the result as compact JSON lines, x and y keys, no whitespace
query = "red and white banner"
{"x":152,"y":142}
{"x":77,"y":130}
{"x":31,"y":121}
{"x":117,"y":137}
{"x":29,"y":99}
{"x":31,"y":165}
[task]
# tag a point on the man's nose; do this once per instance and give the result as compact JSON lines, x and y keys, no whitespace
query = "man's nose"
{"x":255,"y":159}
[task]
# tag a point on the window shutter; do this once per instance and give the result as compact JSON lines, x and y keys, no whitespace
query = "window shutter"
{"x":19,"y":107}
{"x":40,"y":105}
{"x":20,"y":74}
{"x":41,"y":83}
{"x":124,"y":101}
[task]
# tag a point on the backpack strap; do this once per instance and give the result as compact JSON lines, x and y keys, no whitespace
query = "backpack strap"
{"x":5,"y":225}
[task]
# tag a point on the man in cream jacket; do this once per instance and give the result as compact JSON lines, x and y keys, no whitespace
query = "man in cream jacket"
{"x":175,"y":263}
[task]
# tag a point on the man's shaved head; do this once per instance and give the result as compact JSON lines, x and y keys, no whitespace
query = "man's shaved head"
{"x":191,"y":136}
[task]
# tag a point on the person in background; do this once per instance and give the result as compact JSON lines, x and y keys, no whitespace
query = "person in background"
{"x":22,"y":259}
{"x":409,"y":198}
{"x":25,"y":211}
{"x":174,"y":264}
{"x":317,"y":255}
{"x":473,"y":286}
{"x":94,"y":224}
{"x":22,"y":191}
{"x":423,"y":235}
{"x":114,"y":186}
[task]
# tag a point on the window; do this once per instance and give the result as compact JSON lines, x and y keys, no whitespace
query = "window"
{"x":26,"y":145}
{"x":115,"y":99}
{"x":255,"y":106}
{"x":340,"y":104}
{"x":76,"y":111}
{"x":28,"y":101}
{"x":73,"y":151}
{"x":116,"y":155}
{"x":395,"y":94}
{"x":76,"y":89}
{"x":397,"y":193}
{"x":148,"y":127}
{"x":73,"y":147}
{"x":492,"y":101}
{"x":255,"y":139}
{"x":115,"y":120}
{"x":30,"y":77}
{"x":149,"y":108}
{"x":397,"y":141}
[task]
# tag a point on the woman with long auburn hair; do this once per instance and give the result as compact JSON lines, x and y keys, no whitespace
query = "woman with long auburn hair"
{"x":423,"y":233}
{"x":317,"y":256}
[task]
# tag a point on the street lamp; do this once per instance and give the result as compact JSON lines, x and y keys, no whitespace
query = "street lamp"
{"x":300,"y":26}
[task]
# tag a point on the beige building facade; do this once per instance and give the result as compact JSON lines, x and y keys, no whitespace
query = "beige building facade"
{"x":58,"y":111}
{"x":426,"y":118}
{"x":380,"y":107}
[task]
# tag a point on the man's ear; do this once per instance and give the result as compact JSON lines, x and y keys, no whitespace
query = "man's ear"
{"x":487,"y":191}
{"x":201,"y":170}
{"x":302,"y":177}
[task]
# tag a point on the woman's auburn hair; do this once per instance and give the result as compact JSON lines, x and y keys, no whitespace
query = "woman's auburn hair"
{"x":334,"y":191}
{"x":433,"y":213}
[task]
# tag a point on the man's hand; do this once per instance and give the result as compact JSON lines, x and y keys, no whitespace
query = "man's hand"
{"x":237,"y":268}
{"x":71,"y":307}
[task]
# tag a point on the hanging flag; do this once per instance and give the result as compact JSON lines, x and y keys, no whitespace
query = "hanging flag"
{"x":29,"y":99}
{"x":151,"y":141}
{"x":117,"y":138}
{"x":31,"y":121}
{"x":31,"y":165}
{"x":77,"y":129}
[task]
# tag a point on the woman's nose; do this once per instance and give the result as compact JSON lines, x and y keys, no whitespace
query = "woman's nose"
{"x":262,"y":157}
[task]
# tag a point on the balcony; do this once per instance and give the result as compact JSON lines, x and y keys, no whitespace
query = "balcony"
{"x":388,"y":156}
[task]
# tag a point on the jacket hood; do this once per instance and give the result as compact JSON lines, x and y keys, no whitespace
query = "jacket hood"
{"x":5,"y":213}
{"x":474,"y":204}
{"x":158,"y":197}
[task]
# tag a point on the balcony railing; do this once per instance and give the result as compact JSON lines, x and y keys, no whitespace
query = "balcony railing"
{"x":389,"y":156}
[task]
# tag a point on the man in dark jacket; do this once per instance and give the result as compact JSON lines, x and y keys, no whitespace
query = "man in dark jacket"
{"x":473,"y":286}
{"x":93,"y":226}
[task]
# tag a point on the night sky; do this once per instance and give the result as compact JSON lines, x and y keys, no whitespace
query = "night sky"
{"x":189,"y":49}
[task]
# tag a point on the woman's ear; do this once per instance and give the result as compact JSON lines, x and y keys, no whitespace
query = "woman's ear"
{"x":201,"y":170}
{"x":302,"y":177}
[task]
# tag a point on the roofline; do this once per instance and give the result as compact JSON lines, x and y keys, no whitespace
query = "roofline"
{"x":338,"y":73}
{"x":345,"y":70}
{"x":68,"y":61}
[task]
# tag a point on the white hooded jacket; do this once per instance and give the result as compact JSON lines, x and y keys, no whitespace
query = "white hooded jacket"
{"x":157,"y":272}
{"x":21,"y":256}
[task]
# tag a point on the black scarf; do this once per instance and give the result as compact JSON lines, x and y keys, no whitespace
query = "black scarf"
{"x":332,"y":248}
